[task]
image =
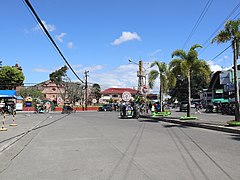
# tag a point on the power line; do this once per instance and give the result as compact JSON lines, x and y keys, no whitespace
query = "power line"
{"x":198,"y":21}
{"x":221,"y":52}
{"x":220,"y":26}
{"x":50,"y":38}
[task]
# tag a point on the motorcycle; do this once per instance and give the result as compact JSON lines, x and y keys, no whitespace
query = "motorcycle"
{"x":40,"y":109}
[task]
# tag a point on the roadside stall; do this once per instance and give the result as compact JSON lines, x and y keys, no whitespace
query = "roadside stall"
{"x":8,"y":100}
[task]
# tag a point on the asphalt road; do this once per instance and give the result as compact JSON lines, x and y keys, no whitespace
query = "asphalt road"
{"x":99,"y":145}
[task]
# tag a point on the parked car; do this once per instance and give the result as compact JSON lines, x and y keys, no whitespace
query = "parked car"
{"x":105,"y":107}
{"x":183,"y":106}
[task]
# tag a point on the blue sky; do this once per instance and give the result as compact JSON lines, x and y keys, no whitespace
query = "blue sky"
{"x":100,"y":36}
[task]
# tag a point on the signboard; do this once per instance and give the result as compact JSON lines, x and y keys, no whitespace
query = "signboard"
{"x":100,"y":100}
{"x":126,"y":96}
{"x":59,"y":100}
{"x":144,"y":90}
{"x":94,"y":101}
{"x":229,"y":87}
{"x":219,"y":91}
{"x":19,"y":106}
{"x":28,"y":104}
{"x":224,"y":77}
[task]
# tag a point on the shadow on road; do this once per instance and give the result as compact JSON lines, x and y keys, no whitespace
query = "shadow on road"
{"x":235,"y":137}
{"x":149,"y":120}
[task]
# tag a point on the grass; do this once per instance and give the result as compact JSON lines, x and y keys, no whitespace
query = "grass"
{"x":233,"y":123}
{"x":188,"y":118}
{"x":165,"y":113}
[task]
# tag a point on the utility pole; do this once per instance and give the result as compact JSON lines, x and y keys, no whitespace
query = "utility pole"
{"x":86,"y":89}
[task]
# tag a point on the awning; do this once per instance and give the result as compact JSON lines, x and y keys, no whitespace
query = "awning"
{"x":8,"y":94}
{"x":19,"y":98}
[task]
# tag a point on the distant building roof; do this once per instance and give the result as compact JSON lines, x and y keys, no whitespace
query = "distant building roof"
{"x":215,"y":80}
{"x":118,"y":91}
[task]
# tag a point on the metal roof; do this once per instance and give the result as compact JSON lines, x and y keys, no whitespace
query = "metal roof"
{"x":8,"y":94}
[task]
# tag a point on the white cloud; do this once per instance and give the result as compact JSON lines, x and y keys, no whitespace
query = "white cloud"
{"x":155,"y":52}
{"x":43,"y":70}
{"x":126,"y":36}
{"x":49,"y":27}
{"x":121,"y":76}
{"x":214,"y":67}
{"x":70,"y":45}
{"x":225,"y":57}
{"x":60,"y":37}
{"x":80,"y":69}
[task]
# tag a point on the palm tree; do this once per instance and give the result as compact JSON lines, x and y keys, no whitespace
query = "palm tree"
{"x":162,"y":74}
{"x":232,"y":33}
{"x":184,"y":64}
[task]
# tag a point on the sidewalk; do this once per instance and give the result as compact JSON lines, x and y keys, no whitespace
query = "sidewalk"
{"x":213,"y":121}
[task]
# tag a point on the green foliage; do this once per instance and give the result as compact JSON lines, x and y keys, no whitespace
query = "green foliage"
{"x":180,"y":91}
{"x":184,"y":65}
{"x":230,"y":33}
{"x":96,"y":92}
{"x":57,"y":76}
{"x":32,"y":92}
{"x":75,"y":92}
{"x":10,"y":77}
{"x":161,"y":72}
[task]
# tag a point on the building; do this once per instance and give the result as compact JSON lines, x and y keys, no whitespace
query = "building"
{"x":51,"y":91}
{"x":222,"y":85}
{"x":73,"y":92}
{"x":115,"y":94}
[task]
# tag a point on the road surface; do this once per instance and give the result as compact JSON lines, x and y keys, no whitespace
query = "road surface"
{"x":99,"y":145}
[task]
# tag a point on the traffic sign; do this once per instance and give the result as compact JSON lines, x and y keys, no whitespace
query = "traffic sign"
{"x":144,"y":90}
{"x":94,"y":101}
{"x":126,"y":96}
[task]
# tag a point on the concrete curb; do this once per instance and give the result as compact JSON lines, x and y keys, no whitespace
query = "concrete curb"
{"x":195,"y":123}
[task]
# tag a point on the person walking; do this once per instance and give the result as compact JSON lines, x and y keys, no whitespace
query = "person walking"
{"x":197,"y":108}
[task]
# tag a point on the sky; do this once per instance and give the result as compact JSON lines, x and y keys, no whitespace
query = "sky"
{"x":101,"y":36}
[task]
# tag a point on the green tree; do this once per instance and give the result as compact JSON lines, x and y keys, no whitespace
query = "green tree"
{"x":59,"y":77}
{"x":10,"y":77}
{"x":185,"y":64}
{"x":198,"y":82}
{"x":32,"y":92}
{"x":163,"y":74}
{"x":96,"y":92}
{"x":75,"y":92}
{"x":231,"y":33}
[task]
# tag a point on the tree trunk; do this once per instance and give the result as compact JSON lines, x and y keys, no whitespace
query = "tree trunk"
{"x":236,"y":87}
{"x":160,"y":95}
{"x":189,"y":94}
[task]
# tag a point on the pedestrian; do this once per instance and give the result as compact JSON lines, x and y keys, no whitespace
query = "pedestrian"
{"x":197,"y":108}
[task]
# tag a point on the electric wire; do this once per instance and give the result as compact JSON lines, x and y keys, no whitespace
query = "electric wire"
{"x":221,"y":52}
{"x":219,"y":27}
{"x":36,"y":17}
{"x":198,"y":21}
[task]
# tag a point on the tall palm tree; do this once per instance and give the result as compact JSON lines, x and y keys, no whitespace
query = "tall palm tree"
{"x":162,"y":74}
{"x":231,"y":33}
{"x":184,"y":64}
